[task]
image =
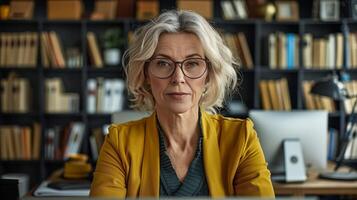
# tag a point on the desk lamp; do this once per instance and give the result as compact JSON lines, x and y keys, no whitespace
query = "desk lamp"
{"x":331,"y":87}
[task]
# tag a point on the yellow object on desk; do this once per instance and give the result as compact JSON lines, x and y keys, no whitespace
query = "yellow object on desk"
{"x":77,"y":167}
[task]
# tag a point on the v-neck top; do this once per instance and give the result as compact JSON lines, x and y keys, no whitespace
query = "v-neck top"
{"x":194,"y":184}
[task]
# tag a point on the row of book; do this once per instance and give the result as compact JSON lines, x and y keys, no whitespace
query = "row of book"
{"x":15,"y":94}
{"x":20,"y":142}
{"x":58,"y":101}
{"x":316,"y":102}
{"x":105,"y":95}
{"x":283,"y":50}
{"x":275,"y":94}
{"x":323,"y":52}
{"x":237,"y":43}
{"x":318,"y":52}
{"x":61,"y":143}
{"x":18,"y":49}
{"x":52,"y":52}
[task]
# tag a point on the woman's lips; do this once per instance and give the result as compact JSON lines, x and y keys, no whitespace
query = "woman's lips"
{"x":177,"y":95}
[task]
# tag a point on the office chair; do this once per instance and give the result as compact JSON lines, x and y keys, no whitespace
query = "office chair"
{"x":128,"y":115}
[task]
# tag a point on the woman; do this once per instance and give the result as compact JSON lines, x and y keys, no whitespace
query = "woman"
{"x":179,"y":68}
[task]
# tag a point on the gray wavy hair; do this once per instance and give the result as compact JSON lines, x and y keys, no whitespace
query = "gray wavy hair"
{"x":222,"y":74}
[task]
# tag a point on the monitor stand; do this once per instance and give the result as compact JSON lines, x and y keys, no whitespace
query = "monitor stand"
{"x":294,"y":165}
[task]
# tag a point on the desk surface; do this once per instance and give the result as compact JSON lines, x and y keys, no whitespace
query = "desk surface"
{"x":316,"y":186}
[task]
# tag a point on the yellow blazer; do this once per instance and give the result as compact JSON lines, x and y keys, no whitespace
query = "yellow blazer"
{"x":128,"y":164}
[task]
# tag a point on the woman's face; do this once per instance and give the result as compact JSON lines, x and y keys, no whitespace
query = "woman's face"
{"x":176,"y":93}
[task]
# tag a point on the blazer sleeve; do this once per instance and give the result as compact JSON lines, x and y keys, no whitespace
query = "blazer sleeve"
{"x":109,"y":176}
{"x":252,"y":176}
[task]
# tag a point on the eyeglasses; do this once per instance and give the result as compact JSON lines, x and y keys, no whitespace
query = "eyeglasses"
{"x":163,"y":68}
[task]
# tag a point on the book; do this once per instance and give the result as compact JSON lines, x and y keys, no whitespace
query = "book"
{"x":308,"y":98}
{"x":285,"y":94}
{"x":21,"y":9}
{"x":91,"y":95}
{"x":125,"y":9}
{"x":202,"y":7}
{"x":228,"y":10}
{"x":241,"y":9}
{"x":339,"y":51}
{"x":273,"y":53}
{"x":331,"y":51}
{"x":290,"y":50}
{"x":146,"y":10}
{"x":73,"y":8}
{"x":281,"y":50}
{"x":273,"y":94}
{"x":36,"y":145}
{"x":307,"y":50}
{"x":57,"y":49}
{"x":117,"y":91}
{"x":264,"y":92}
{"x":106,"y":8}
{"x":43,"y":190}
{"x":94,"y":53}
{"x":247,"y":57}
{"x":75,"y":139}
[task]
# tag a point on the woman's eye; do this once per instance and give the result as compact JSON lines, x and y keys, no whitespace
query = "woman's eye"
{"x":192,"y":64}
{"x":163,"y":63}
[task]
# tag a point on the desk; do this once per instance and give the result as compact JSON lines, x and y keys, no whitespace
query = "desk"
{"x":316,"y":186}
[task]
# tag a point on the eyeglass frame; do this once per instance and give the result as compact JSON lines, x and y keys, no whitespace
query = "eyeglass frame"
{"x":180,"y":65}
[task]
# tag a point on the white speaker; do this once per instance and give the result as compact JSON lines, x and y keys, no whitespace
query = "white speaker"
{"x":294,"y":161}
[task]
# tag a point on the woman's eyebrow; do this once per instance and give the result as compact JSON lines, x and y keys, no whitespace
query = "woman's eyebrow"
{"x":167,"y":56}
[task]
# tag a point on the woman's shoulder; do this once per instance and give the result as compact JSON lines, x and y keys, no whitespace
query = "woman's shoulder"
{"x":133,"y":128}
{"x":230,"y":127}
{"x":230,"y":121}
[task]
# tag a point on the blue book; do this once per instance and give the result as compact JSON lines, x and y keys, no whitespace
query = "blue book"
{"x":290,"y":50}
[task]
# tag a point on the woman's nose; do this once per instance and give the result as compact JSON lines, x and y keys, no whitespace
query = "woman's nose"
{"x":178,"y":76}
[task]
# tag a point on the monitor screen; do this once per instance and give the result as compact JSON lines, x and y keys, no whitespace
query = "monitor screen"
{"x":310,"y":127}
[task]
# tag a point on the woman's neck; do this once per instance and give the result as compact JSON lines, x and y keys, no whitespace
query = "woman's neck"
{"x":181,"y":130}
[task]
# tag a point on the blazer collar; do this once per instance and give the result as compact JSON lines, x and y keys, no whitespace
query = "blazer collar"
{"x":211,"y":157}
{"x":150,"y":173}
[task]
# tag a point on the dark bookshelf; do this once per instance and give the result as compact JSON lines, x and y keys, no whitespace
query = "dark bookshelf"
{"x":73,"y":33}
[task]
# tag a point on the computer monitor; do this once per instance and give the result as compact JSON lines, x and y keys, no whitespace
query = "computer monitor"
{"x":310,"y":127}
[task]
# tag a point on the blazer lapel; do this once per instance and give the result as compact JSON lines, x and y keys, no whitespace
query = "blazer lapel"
{"x":150,"y":173}
{"x":211,"y":157}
